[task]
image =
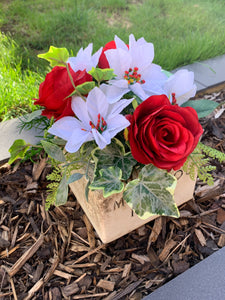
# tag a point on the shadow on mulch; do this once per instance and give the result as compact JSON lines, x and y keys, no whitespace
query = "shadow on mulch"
{"x":57,"y":255}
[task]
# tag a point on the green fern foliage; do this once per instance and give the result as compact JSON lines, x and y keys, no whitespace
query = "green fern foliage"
{"x":198,"y":164}
{"x":55,"y":178}
{"x":213,"y":153}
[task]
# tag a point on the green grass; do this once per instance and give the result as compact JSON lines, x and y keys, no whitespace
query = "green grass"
{"x":183,"y":31}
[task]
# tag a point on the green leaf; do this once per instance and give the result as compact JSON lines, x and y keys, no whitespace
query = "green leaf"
{"x":53,"y":151}
{"x":101,"y":74}
{"x":56,"y":56}
{"x":152,"y":193}
{"x":83,"y":88}
{"x":74,"y":177}
{"x":109,"y":181}
{"x":18,"y":150}
{"x":114,"y":155}
{"x":62,"y":192}
{"x":203,"y":107}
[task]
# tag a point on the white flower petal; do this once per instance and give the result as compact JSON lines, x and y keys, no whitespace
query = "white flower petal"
{"x":137,"y":89}
{"x":119,"y":60}
{"x":120,"y":43}
{"x":77,"y":139}
{"x":96,"y":104}
{"x":113,"y":93}
{"x":182,"y":84}
{"x":99,"y":138}
{"x":117,"y":124}
{"x":116,"y":108}
{"x":64,"y":127}
{"x":79,"y":107}
{"x":95,"y":57}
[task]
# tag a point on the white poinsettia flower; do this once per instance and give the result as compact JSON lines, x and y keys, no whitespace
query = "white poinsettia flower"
{"x":96,"y":120}
{"x":134,"y":70}
{"x":180,"y":86}
{"x":85,"y":59}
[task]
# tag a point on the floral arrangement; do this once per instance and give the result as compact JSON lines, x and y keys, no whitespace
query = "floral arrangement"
{"x":121,"y":121}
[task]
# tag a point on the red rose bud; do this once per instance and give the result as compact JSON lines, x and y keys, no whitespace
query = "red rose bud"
{"x":53,"y":92}
{"x":103,"y":62}
{"x":163,"y":134}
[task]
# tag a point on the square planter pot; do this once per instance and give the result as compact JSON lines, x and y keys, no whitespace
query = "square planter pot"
{"x":112,"y":217}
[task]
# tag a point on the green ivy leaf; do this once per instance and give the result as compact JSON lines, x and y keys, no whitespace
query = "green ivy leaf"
{"x":101,"y":74}
{"x":152,"y":193}
{"x":203,"y":107}
{"x":53,"y":151}
{"x":114,"y":155}
{"x":109,"y":181}
{"x":62,"y":192}
{"x":18,"y":150}
{"x":56,"y":56}
{"x":83,"y":88}
{"x":74,"y":177}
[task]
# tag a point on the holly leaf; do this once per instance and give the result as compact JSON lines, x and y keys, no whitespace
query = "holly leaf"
{"x":83,"y":88}
{"x":203,"y":107}
{"x":62,"y":192}
{"x":101,"y":74}
{"x":18,"y":150}
{"x":108,"y":181}
{"x":56,"y":56}
{"x":114,"y":155}
{"x":152,"y":193}
{"x":53,"y":151}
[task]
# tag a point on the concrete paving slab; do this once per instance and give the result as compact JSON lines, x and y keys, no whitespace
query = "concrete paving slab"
{"x":204,"y":281}
{"x":9,"y":132}
{"x":208,"y":72}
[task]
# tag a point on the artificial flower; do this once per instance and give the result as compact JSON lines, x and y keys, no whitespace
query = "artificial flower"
{"x":163,"y":134}
{"x":96,"y":120}
{"x":134,"y":70}
{"x":55,"y":90}
{"x":180,"y":86}
{"x":84,"y":59}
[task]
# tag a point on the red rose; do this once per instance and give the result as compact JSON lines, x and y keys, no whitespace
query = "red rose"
{"x":103,"y":62}
{"x":53,"y":92}
{"x":163,"y":134}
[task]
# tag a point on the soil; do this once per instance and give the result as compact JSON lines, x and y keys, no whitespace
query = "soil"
{"x":56,"y":254}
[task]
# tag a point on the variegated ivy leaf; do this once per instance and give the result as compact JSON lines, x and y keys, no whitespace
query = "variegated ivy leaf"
{"x":56,"y":56}
{"x":108,"y":181}
{"x":152,"y":193}
{"x":114,"y":155}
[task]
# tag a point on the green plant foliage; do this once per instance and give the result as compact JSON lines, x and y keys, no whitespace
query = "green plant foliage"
{"x":62,"y":192}
{"x":152,"y":193}
{"x":56,"y":56}
{"x":101,"y":74}
{"x":203,"y":107}
{"x":213,"y":153}
{"x":83,"y":89}
{"x":18,"y":150}
{"x":109,"y":180}
{"x":198,"y":164}
{"x":114,"y":155}
{"x":53,"y":151}
{"x":55,"y":178}
{"x":74,"y":177}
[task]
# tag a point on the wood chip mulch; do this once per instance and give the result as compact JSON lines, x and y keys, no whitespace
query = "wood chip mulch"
{"x":56,"y":254}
